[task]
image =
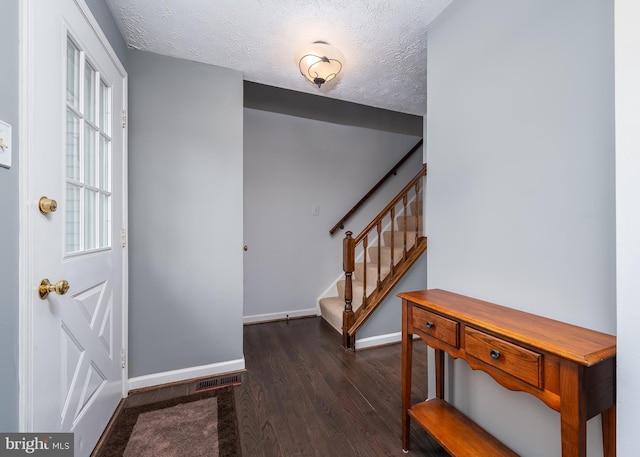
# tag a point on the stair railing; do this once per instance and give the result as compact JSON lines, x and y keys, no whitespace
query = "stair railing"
{"x":389,"y":267}
{"x":393,"y":171}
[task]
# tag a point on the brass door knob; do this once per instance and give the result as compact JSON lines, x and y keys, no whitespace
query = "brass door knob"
{"x":45,"y":288}
{"x":47,"y":205}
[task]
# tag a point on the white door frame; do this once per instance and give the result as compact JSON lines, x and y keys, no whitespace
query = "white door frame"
{"x":28,"y":209}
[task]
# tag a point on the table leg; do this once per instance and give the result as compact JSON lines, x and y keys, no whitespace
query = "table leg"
{"x":573,"y":410}
{"x":407,"y":354}
{"x":609,"y":432}
{"x":439,"y":360}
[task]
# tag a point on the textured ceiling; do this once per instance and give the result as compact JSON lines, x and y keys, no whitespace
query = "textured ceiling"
{"x":384,"y":41}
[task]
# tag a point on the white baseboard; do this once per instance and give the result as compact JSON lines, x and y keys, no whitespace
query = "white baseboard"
{"x":280,"y":316}
{"x":183,"y":374}
{"x":379,"y":340}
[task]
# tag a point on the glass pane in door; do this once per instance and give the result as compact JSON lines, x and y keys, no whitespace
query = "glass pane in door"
{"x":105,"y":108}
{"x":73,"y":74}
{"x":105,"y":221}
{"x":72,"y":232}
{"x":105,"y":164}
{"x":90,"y":139}
{"x":90,"y":239}
{"x":73,"y":145}
{"x":89,"y":92}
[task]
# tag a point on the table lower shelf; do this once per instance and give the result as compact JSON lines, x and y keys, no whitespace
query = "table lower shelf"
{"x":455,"y":432}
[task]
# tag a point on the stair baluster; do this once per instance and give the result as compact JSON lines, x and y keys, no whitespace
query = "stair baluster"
{"x":379,"y":260}
{"x":393,"y":238}
{"x":420,"y":222}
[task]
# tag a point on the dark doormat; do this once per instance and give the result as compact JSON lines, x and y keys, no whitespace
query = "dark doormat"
{"x":198,"y":425}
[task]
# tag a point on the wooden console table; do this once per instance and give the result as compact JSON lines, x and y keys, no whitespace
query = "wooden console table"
{"x":571,"y":369}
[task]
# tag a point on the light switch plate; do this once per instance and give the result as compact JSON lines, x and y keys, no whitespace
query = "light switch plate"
{"x":5,"y":145}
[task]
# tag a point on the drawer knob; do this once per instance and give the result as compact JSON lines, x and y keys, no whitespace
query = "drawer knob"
{"x":494,"y":354}
{"x":429,"y":324}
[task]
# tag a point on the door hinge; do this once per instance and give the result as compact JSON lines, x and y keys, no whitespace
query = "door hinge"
{"x":123,"y":358}
{"x":124,"y":118}
{"x":124,"y":238}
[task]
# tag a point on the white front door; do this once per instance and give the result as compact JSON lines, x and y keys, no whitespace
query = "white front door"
{"x":73,"y":151}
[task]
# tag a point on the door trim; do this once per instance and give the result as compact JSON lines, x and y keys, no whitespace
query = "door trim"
{"x":27,"y":210}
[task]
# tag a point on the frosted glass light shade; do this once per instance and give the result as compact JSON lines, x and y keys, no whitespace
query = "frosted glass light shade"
{"x":319,"y":62}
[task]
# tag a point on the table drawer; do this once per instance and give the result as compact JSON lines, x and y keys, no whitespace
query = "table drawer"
{"x":436,"y":326}
{"x":515,"y":360}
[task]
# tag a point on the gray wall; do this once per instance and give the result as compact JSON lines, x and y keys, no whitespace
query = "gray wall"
{"x":9,"y":235}
{"x":185,"y":214}
{"x":291,"y":164}
{"x":299,"y":104}
{"x":520,"y":195}
{"x":627,"y":56}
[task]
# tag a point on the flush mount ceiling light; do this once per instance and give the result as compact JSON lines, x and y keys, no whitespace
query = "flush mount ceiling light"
{"x":319,"y":62}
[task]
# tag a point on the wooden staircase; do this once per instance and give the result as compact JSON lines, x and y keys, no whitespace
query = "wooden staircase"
{"x":376,"y":259}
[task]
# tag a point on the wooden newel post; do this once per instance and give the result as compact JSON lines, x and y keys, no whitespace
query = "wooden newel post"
{"x":348,"y":265}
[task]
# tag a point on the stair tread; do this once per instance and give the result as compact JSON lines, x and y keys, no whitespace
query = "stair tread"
{"x":336,"y":302}
{"x":331,"y":309}
{"x":372,"y":270}
{"x":385,"y":248}
{"x":331,"y":312}
{"x":356,"y":284}
{"x":383,"y":255}
{"x":412,"y":222}
{"x":398,"y":238}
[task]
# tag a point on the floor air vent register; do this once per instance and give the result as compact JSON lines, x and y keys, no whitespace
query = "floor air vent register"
{"x":218,"y":381}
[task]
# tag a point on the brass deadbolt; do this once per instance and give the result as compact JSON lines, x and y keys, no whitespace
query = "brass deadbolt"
{"x":45,"y":288}
{"x":246,"y":248}
{"x":47,"y":205}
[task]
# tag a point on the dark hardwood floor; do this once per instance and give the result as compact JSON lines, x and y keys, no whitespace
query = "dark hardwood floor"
{"x":304,"y":395}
